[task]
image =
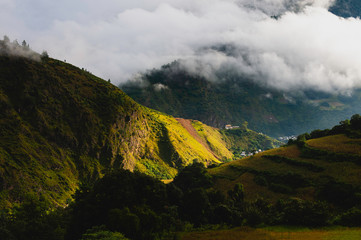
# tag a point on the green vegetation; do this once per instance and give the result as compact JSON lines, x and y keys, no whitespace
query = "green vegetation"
{"x":126,"y":205}
{"x":317,"y":165}
{"x":243,"y":139}
{"x":213,"y":137}
{"x":278,"y":187}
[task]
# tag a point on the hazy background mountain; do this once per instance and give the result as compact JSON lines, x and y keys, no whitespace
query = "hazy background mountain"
{"x":233,"y":99}
{"x":346,"y":8}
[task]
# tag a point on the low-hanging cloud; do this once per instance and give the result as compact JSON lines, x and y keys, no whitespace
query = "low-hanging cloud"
{"x":14,"y":49}
{"x":287,"y":44}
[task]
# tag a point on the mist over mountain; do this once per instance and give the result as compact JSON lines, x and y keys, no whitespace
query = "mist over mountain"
{"x":294,"y":61}
{"x":346,"y":8}
{"x":285,"y":44}
{"x":234,"y":99}
{"x":14,"y":49}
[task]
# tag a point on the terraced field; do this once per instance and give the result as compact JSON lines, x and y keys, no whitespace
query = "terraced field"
{"x":295,"y":170}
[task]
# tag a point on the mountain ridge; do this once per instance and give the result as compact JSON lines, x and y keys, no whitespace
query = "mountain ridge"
{"x":65,"y":126}
{"x":61,"y":126}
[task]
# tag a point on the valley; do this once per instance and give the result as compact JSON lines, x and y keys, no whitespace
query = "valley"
{"x":187,"y":149}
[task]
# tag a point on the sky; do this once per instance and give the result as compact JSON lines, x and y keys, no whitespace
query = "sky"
{"x":287,"y":44}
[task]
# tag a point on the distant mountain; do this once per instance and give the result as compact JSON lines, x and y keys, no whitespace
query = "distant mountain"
{"x":61,"y":126}
{"x":235,"y":99}
{"x":346,"y":8}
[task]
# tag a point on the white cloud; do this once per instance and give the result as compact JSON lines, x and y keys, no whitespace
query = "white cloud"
{"x":159,"y":87}
{"x":305,"y":47}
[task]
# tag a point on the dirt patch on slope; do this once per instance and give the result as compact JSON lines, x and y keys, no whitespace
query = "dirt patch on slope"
{"x":186,"y":123}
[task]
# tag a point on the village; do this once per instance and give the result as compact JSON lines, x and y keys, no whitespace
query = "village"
{"x":248,"y":154}
{"x":243,"y":153}
{"x":287,"y":138}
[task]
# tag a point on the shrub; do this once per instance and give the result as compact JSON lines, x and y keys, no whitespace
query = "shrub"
{"x":192,"y":177}
{"x":280,"y":188}
{"x":356,"y":122}
{"x":303,"y":213}
{"x":351,"y":218}
{"x":100,"y":233}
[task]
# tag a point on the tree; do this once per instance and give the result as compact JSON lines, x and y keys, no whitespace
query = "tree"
{"x":356,"y":122}
{"x":237,"y":194}
{"x":124,"y":221}
{"x":100,"y":233}
{"x":25,"y":45}
{"x":196,"y":206}
{"x":6,"y":39}
{"x":193,"y":176}
{"x":44,"y":54}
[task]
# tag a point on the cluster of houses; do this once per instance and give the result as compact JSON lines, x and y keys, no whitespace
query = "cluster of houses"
{"x":286,"y":138}
{"x":229,"y":126}
{"x":244,"y":154}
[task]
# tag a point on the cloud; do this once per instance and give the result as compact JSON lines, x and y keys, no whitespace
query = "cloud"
{"x":287,"y":44}
{"x":8,"y":48}
{"x":159,"y":87}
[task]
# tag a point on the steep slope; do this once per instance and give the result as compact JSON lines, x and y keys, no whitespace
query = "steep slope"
{"x":234,"y":100}
{"x":188,"y":126}
{"x":325,"y":167}
{"x":61,"y":126}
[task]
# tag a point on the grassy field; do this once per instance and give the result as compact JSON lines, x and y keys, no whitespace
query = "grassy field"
{"x":337,"y":143}
{"x":259,"y":173}
{"x":275,"y":233}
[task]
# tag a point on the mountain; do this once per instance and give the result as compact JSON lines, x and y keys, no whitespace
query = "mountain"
{"x":234,"y":99}
{"x":346,"y":8}
{"x":61,"y":126}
